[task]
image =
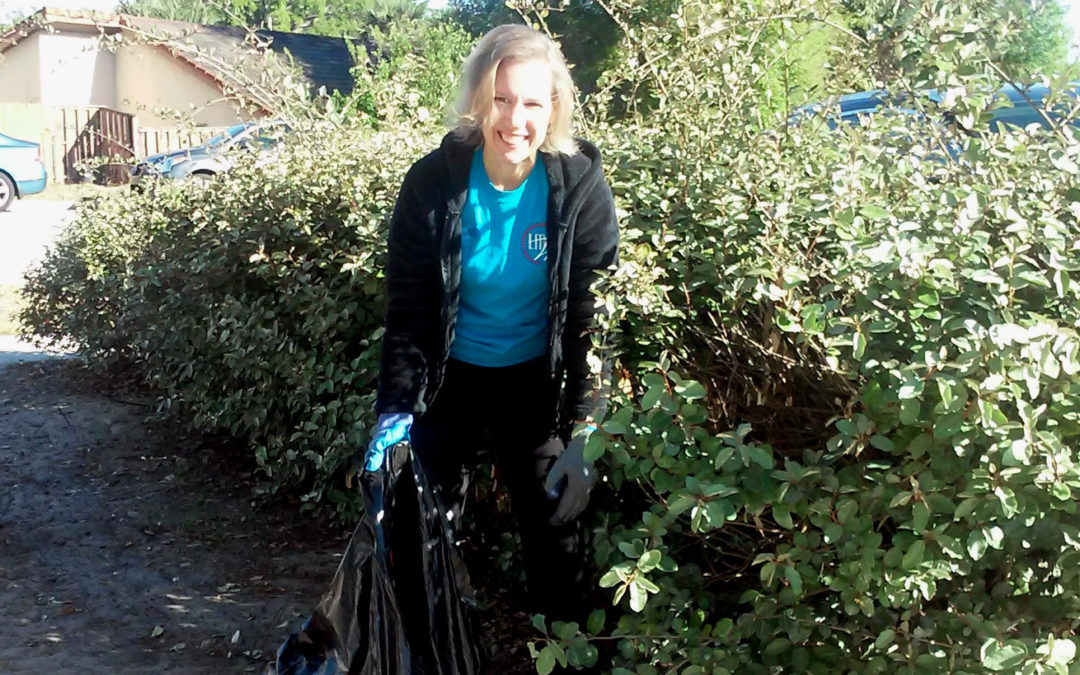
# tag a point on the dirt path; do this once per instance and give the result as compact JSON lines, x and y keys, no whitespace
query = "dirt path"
{"x":124,"y":549}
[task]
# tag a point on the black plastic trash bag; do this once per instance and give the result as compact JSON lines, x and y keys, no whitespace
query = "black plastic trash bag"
{"x":400,"y":602}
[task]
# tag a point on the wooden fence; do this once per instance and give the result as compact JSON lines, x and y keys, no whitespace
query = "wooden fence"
{"x":70,"y":136}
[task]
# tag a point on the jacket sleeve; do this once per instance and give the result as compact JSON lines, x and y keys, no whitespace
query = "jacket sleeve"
{"x":595,"y":248}
{"x":412,"y":303}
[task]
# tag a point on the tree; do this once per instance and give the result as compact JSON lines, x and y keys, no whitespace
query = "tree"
{"x":319,"y":17}
{"x":1042,"y":44}
{"x":1030,"y":36}
{"x":585,"y":31}
{"x":175,"y":10}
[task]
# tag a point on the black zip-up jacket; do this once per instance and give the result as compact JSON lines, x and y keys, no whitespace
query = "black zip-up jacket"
{"x":424,"y":276}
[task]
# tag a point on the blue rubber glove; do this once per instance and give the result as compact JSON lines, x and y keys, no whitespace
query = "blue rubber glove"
{"x":570,"y":478}
{"x":391,"y":429}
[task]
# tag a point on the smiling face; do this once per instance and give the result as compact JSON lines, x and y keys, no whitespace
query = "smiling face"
{"x":517,"y":124}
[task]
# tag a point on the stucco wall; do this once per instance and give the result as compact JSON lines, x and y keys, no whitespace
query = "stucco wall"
{"x":76,"y":71}
{"x":20,"y":69}
{"x":149,"y":77}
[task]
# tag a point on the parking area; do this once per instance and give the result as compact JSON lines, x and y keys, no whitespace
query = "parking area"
{"x":26,"y":230}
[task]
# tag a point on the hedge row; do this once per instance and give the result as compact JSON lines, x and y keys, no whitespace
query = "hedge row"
{"x":253,"y":303}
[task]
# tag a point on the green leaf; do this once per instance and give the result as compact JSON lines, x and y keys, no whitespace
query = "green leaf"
{"x":846,"y":509}
{"x":858,"y":345}
{"x":794,"y":579}
{"x":885,"y":639}
{"x":649,"y":560}
{"x":833,"y":532}
{"x":920,"y":515}
{"x":777,"y":646}
{"x":638,"y":596}
{"x":652,"y":397}
{"x":1063,"y":651}
{"x":900,"y":499}
{"x":768,"y":573}
{"x":564,"y":630}
{"x":595,"y":623}
{"x":614,"y":427}
{"x":594,"y":448}
{"x":782,"y":516}
{"x":545,"y":663}
{"x":680,"y":504}
{"x":611,"y":578}
{"x":690,"y":390}
{"x":965,"y":508}
{"x":911,"y":388}
{"x":1002,"y":656}
{"x":873,"y":212}
{"x":928,"y":297}
{"x":720,"y":490}
{"x":976,"y":545}
{"x":786,"y":322}
{"x":914,"y":556}
{"x":619,"y":593}
{"x":882,"y":443}
{"x":920,"y":445}
{"x":758,"y":456}
{"x":719,"y":511}
{"x":910,"y":410}
{"x":632,"y":549}
{"x":549,"y":656}
{"x":539,"y":622}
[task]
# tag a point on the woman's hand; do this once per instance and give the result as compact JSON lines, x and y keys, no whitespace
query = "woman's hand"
{"x":391,"y":429}
{"x":574,"y":475}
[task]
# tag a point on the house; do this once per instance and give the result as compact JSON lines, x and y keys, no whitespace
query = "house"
{"x":137,"y":81}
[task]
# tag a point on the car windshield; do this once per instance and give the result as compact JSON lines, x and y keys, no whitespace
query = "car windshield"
{"x":227,"y":134}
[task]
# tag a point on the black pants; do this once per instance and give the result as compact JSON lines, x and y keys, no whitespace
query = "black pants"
{"x":511,"y":411}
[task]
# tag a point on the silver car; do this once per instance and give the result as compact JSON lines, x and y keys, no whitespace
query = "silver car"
{"x":213,"y":157}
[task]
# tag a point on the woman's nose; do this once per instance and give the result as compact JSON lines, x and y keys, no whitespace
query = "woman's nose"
{"x":517,"y":115}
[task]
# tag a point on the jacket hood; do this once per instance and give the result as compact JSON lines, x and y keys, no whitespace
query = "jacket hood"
{"x":583,"y":166}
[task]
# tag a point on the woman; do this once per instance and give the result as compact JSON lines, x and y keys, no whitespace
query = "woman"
{"x":494,"y":241}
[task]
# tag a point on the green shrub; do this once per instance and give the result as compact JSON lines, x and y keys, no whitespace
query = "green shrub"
{"x":906,"y":490}
{"x":253,"y":303}
{"x":844,"y":436}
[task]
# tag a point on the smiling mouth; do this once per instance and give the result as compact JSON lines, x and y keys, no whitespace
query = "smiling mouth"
{"x":513,"y":140}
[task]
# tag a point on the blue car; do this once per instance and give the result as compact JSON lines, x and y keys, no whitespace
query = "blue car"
{"x":1025,"y":106}
{"x":21,"y":170}
{"x":1027,"y":103}
{"x":211,"y":158}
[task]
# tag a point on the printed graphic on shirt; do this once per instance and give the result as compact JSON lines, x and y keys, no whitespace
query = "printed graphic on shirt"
{"x":534,"y":243}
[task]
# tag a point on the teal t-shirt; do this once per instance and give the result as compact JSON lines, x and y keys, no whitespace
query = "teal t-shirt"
{"x":503,"y":310}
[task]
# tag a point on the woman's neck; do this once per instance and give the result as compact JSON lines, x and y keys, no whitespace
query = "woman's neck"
{"x":507,"y":177}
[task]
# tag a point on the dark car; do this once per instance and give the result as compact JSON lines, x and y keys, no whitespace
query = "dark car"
{"x":212,"y":157}
{"x":21,"y":170}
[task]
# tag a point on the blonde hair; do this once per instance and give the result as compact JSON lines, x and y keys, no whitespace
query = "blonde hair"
{"x":513,"y":43}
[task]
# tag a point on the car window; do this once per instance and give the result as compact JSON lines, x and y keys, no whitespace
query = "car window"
{"x":1018,"y":115}
{"x":268,"y":135}
{"x":228,"y":134}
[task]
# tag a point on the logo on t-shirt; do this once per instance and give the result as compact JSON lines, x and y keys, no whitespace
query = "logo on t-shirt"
{"x":534,"y":243}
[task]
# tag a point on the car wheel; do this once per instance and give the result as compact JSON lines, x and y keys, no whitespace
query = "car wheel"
{"x":7,"y":191}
